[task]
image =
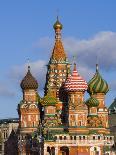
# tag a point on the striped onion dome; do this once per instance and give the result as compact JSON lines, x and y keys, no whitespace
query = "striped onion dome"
{"x":97,"y":84}
{"x":75,"y":82}
{"x":29,"y":82}
{"x":92,"y":102}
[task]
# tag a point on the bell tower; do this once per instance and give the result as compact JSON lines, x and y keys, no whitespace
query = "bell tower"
{"x":58,"y":66}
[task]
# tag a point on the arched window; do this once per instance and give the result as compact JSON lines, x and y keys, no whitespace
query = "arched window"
{"x":71,"y":137}
{"x":64,"y":137}
{"x":60,"y":137}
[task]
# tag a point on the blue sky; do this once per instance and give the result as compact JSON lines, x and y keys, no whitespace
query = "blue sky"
{"x":26,"y":32}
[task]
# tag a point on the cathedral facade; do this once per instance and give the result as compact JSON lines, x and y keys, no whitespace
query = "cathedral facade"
{"x":63,"y":122}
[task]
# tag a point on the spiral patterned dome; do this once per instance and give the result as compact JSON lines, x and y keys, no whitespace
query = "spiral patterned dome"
{"x":97,"y":84}
{"x":57,"y":25}
{"x":92,"y":102}
{"x":75,"y":82}
{"x":29,"y":82}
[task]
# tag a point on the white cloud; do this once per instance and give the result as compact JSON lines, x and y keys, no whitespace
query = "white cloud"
{"x":102,"y":45}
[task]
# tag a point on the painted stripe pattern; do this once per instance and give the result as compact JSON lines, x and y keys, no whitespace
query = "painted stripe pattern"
{"x":97,"y":84}
{"x":75,"y":82}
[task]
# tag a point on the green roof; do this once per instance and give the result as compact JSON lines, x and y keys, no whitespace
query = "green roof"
{"x":49,"y":99}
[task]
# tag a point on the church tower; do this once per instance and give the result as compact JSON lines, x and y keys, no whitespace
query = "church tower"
{"x":28,"y":110}
{"x":58,"y":66}
{"x":97,"y":88}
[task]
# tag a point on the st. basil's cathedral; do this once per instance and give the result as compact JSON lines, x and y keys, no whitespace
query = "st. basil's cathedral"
{"x":63,"y":122}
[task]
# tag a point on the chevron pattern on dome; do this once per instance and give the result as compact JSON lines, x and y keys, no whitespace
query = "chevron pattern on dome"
{"x":97,"y":84}
{"x":29,"y":82}
{"x":75,"y":82}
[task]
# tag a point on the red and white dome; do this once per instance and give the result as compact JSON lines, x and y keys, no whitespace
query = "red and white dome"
{"x":75,"y":82}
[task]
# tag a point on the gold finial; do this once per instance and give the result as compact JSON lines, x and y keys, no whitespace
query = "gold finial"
{"x":57,"y":24}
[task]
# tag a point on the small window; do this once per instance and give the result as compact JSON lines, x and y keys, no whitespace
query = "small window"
{"x":71,"y":137}
{"x":83,"y":137}
{"x":110,"y":138}
{"x":64,"y":137}
{"x":0,"y":147}
{"x":74,"y":137}
{"x":60,"y":137}
{"x":93,"y":137}
{"x":33,"y":124}
{"x":79,"y":137}
{"x":98,"y":137}
{"x":80,"y":123}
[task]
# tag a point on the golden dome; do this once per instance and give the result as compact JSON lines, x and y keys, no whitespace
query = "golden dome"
{"x":57,"y":25}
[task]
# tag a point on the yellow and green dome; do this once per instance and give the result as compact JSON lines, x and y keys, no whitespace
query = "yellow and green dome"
{"x":92,"y":102}
{"x":49,"y":100}
{"x":97,"y":84}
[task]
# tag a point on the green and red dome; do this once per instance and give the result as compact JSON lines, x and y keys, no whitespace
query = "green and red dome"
{"x":97,"y":84}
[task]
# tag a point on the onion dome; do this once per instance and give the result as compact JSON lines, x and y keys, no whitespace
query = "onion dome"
{"x":49,"y":99}
{"x":57,"y":24}
{"x":92,"y":102}
{"x":97,"y":84}
{"x":75,"y":82}
{"x":29,"y":82}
